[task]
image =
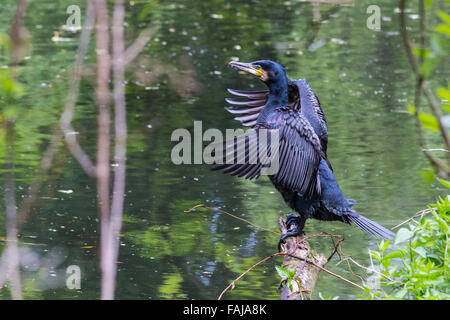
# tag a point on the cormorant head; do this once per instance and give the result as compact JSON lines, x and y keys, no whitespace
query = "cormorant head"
{"x":268,"y":71}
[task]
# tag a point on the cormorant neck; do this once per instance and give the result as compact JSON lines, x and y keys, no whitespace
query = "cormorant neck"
{"x":278,"y":90}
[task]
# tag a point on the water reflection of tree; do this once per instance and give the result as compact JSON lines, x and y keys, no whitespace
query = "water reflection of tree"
{"x":110,"y":214}
{"x":318,"y":16}
{"x":9,"y":263}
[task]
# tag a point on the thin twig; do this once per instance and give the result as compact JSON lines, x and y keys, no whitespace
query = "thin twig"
{"x":325,"y":270}
{"x":335,"y":245}
{"x":233,"y":283}
{"x":367,"y":269}
{"x":136,"y":47}
{"x":324,"y":234}
{"x":335,"y":250}
{"x":418,"y":214}
{"x":354,"y":273}
{"x":231,"y":215}
{"x":66,"y":118}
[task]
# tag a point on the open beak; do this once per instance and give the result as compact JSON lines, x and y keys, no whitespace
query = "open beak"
{"x":247,"y":67}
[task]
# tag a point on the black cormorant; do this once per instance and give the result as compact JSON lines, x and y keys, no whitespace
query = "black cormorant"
{"x":305,"y":177}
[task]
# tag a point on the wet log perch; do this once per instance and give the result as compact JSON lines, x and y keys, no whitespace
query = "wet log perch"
{"x":299,"y":256}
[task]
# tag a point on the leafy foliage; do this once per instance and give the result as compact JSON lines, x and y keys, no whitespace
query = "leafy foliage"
{"x":419,"y":266}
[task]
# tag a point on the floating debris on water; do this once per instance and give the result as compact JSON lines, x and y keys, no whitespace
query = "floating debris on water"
{"x":57,"y":38}
{"x":69,"y":191}
{"x":316,"y":45}
{"x":338,"y":41}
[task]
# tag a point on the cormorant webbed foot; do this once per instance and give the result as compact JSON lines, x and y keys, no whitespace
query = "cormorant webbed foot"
{"x":294,"y":225}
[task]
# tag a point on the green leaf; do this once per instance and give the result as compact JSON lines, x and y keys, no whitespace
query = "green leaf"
{"x":421,"y":251}
{"x":428,"y":175}
{"x":322,"y":297}
{"x":393,"y":255}
{"x":375,"y":254}
{"x":411,"y":109}
{"x":292,"y":273}
{"x":429,"y":122}
{"x":444,"y":182}
{"x":383,"y":245}
{"x":443,"y":225}
{"x":431,"y":62}
{"x":444,"y":16}
{"x":443,"y":29}
{"x":437,"y":47}
{"x":401,"y":293}
{"x":282,"y":272}
{"x":5,"y":42}
{"x":419,"y":52}
{"x":290,"y":286}
{"x":403,"y":235}
{"x":386,"y":263}
{"x":444,"y":94}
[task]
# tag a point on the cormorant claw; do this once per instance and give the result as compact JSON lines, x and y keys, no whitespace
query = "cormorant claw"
{"x":294,"y":224}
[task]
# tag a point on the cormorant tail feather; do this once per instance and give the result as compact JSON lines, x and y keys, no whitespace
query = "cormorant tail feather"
{"x":370,"y":226}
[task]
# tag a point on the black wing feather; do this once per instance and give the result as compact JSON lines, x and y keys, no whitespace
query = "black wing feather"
{"x":250,"y":108}
{"x":299,"y":153}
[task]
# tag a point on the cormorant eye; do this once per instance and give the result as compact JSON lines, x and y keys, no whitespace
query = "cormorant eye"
{"x":258,"y":67}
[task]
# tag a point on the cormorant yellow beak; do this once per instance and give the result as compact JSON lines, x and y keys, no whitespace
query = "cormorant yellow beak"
{"x":247,"y":67}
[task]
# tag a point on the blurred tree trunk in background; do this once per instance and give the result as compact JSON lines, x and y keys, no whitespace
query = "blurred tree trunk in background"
{"x":420,"y":59}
